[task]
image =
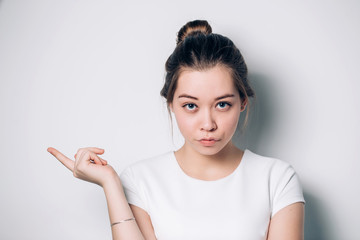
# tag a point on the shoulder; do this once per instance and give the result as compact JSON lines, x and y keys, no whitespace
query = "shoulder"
{"x":283,"y":184}
{"x":276,"y":173}
{"x":151,"y":165}
{"x":137,"y":177}
{"x":256,"y":162}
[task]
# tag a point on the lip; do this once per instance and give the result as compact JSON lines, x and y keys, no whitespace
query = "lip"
{"x":208,"y":142}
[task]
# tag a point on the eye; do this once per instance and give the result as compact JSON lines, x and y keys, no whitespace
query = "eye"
{"x":190,"y":107}
{"x":223,"y":105}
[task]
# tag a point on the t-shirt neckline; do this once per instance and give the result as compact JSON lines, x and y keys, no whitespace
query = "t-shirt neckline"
{"x":237,"y":169}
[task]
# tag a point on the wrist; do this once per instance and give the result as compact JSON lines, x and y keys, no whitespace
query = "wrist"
{"x":112,"y":180}
{"x":113,"y":190}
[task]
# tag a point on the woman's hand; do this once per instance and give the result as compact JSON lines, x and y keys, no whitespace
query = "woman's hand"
{"x":88,"y":165}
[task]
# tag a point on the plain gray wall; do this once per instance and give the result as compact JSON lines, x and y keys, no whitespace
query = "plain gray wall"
{"x":88,"y":73}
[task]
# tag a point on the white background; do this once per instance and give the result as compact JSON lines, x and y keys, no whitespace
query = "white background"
{"x":88,"y":73}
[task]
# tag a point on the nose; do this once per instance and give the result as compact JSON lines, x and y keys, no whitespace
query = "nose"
{"x":208,"y":122}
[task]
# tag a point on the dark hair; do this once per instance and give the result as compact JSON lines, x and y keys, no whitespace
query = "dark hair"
{"x":199,"y":49}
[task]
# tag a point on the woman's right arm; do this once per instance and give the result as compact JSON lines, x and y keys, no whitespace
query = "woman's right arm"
{"x":90,"y":167}
{"x":119,"y":210}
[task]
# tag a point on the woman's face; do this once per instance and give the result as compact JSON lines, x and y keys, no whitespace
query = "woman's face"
{"x":207,"y":107}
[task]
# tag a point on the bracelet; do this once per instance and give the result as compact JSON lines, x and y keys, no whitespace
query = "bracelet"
{"x":129,"y":219}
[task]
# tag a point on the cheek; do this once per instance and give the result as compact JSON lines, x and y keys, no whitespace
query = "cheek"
{"x":184,"y":122}
{"x":231,"y":122}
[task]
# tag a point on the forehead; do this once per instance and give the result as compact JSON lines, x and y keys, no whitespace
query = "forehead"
{"x":215,"y":81}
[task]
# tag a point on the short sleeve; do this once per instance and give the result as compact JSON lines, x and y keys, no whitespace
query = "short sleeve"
{"x":131,"y":189}
{"x":286,"y":188}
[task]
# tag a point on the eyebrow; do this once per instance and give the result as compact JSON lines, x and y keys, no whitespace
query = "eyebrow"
{"x":225,"y":96}
{"x":195,"y":98}
{"x":188,"y":96}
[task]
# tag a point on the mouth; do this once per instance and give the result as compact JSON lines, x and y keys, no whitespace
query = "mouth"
{"x":208,"y":141}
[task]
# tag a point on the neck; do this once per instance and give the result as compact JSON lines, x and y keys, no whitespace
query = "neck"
{"x":209,"y":166}
{"x":222,"y":155}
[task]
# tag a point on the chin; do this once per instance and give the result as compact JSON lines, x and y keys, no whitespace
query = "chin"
{"x":208,"y":151}
{"x":219,"y":147}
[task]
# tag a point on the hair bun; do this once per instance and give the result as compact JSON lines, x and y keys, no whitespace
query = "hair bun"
{"x":192,"y":28}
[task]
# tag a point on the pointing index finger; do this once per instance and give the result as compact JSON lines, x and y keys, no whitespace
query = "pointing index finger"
{"x":67,"y":162}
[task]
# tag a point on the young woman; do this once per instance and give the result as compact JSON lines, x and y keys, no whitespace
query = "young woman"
{"x":207,"y":189}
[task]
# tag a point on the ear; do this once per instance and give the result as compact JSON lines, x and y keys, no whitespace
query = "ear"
{"x":171,"y":107}
{"x":243,"y":104}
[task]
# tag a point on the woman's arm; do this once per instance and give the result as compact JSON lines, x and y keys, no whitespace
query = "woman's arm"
{"x":119,"y":209}
{"x":90,"y":167}
{"x":144,"y":222}
{"x":288,"y":223}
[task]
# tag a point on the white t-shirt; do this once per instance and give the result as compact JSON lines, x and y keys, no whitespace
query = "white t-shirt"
{"x":238,"y":206}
